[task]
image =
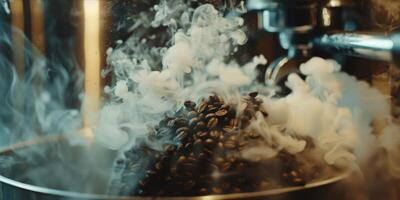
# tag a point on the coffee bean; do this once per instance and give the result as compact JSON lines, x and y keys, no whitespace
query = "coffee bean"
{"x":189,"y":104}
{"x":253,"y":94}
{"x":212,"y":123}
{"x":228,"y":129}
{"x":171,"y":123}
{"x":221,"y":112}
{"x":192,"y":114}
{"x":219,"y":160}
{"x":188,"y":146}
{"x":215,"y":133}
{"x":220,"y":145}
{"x":194,"y":121}
{"x":151,"y":172}
{"x":181,"y":136}
{"x":182,"y":129}
{"x":210,"y":115}
{"x":181,"y":159}
{"x":180,"y":122}
{"x":254,"y":135}
{"x":202,"y":134}
{"x":202,"y":107}
{"x":199,"y":126}
{"x":212,"y":108}
{"x":230,"y":144}
{"x":209,"y":141}
{"x":226,"y":166}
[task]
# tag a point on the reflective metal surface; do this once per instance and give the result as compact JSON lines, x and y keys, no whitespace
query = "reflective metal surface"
{"x":12,"y":190}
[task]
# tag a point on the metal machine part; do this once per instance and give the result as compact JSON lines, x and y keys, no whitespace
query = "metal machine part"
{"x":305,"y":24}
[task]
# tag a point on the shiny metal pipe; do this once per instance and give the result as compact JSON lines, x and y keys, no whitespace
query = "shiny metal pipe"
{"x":377,"y":47}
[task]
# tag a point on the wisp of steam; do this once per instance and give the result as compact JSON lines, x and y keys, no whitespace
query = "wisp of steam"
{"x":347,"y":118}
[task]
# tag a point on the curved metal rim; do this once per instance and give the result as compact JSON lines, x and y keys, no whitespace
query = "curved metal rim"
{"x":69,"y":194}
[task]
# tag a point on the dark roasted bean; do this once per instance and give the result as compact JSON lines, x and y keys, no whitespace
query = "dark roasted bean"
{"x":180,"y":122}
{"x":221,"y":112}
{"x":202,"y":107}
{"x":202,"y":134}
{"x":230,"y":144}
{"x":182,"y":135}
{"x":210,"y":115}
{"x":209,"y":141}
{"x":226,"y":166}
{"x":171,"y":123}
{"x":199,"y":126}
{"x":194,"y":121}
{"x":212,"y":108}
{"x":212,"y":123}
{"x":192,"y":114}
{"x":189,"y":104}
{"x":182,"y":129}
{"x":220,"y":145}
{"x":253,"y":94}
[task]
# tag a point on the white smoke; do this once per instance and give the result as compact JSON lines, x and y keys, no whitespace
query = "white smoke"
{"x":192,"y":67}
{"x":333,"y":108}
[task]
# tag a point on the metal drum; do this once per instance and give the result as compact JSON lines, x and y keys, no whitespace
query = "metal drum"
{"x":64,"y":168}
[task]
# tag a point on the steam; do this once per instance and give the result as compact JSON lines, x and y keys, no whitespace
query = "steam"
{"x":33,"y":101}
{"x":192,"y":67}
{"x":333,"y":108}
{"x":5,"y":6}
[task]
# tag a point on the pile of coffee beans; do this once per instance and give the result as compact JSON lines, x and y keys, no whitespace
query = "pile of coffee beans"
{"x":202,"y":145}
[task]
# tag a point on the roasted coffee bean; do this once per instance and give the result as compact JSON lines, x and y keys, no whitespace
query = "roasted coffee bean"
{"x":253,"y":94}
{"x":230,"y":144}
{"x":254,"y":135}
{"x":210,"y":115}
{"x":219,"y":160}
{"x":199,"y":126}
{"x":190,"y":104}
{"x":181,"y":159}
{"x":228,"y":129}
{"x":221,"y":112}
{"x":206,"y":150}
{"x":192,"y":114}
{"x":233,"y":123}
{"x":180,"y":122}
{"x":202,"y":134}
{"x":194,"y":121}
{"x":202,"y":107}
{"x":151,"y":172}
{"x":158,"y":166}
{"x":182,"y":129}
{"x":209,"y":142}
{"x":212,"y":123}
{"x":212,"y":108}
{"x":220,"y":145}
{"x":171,"y":123}
{"x":215,"y":133}
{"x":188,"y":146}
{"x":226,"y":166}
